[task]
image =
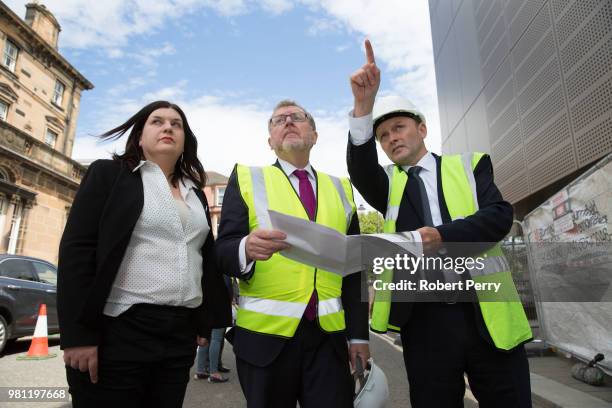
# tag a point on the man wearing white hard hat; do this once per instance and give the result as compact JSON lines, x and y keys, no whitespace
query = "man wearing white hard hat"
{"x":445,"y":199}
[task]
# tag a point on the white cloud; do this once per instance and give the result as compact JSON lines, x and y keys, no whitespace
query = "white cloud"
{"x":401,"y":36}
{"x":398,"y":29}
{"x":110,"y":23}
{"x":321,"y":26}
{"x":276,"y":7}
{"x":227,"y":132}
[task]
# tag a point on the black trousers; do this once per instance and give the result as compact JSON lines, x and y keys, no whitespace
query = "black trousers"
{"x":144,"y":359}
{"x":441,"y":342}
{"x":308,"y":370}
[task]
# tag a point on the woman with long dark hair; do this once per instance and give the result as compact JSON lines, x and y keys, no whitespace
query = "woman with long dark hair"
{"x":138,"y":285}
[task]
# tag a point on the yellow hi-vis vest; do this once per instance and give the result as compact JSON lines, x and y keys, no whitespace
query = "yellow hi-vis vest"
{"x":274,"y":299}
{"x":506,"y":321}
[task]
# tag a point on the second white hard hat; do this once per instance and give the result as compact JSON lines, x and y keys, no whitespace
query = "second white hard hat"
{"x":387,"y":107}
{"x":374,"y":393}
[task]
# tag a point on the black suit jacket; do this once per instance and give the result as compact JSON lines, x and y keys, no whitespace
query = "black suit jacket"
{"x":102,"y":218}
{"x":259,"y":349}
{"x":489,"y":224}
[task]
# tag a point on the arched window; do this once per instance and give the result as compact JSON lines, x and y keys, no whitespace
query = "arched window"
{"x":4,"y":175}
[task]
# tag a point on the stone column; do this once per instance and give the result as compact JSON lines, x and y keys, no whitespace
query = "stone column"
{"x":15,"y":225}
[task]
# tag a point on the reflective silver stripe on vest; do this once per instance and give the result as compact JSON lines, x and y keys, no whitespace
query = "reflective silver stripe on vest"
{"x":348,"y":208}
{"x":392,"y":210}
{"x":329,"y":306}
{"x":273,"y":307}
{"x":260,"y":198}
{"x":492,"y":264}
{"x":466,"y":158}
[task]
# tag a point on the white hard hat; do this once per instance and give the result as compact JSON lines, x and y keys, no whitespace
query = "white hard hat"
{"x":388,"y":106}
{"x":374,"y":388}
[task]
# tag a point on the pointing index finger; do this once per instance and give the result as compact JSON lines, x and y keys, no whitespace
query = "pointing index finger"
{"x":369,"y":52}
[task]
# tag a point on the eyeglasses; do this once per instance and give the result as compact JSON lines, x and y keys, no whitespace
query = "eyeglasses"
{"x":279,"y":120}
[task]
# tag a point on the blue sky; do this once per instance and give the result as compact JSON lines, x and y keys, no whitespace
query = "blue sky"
{"x":227,"y":62}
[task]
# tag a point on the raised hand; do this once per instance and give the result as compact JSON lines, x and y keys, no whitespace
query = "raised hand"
{"x":364,"y":83}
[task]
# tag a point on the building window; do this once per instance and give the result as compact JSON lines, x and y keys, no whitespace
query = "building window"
{"x":10,"y":55}
{"x":3,"y":110}
{"x":50,"y":138}
{"x":220,"y":194}
{"x":58,"y":93}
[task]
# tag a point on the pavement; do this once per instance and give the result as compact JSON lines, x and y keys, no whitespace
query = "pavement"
{"x":552,"y":384}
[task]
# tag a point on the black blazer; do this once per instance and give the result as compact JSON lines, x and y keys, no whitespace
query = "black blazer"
{"x":259,"y":349}
{"x":489,"y":224}
{"x":102,"y":218}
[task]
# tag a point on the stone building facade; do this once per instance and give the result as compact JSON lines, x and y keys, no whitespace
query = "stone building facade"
{"x":40,"y":95}
{"x":215,"y":190}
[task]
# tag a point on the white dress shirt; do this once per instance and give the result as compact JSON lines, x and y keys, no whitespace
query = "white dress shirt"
{"x":362,"y":130}
{"x":163,"y":260}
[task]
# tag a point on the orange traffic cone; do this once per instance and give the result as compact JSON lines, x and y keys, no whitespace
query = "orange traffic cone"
{"x":39,"y":349}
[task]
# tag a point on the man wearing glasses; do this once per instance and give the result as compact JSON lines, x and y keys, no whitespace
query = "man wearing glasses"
{"x":294,"y":320}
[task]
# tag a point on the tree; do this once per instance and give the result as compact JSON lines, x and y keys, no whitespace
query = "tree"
{"x":371,"y":222}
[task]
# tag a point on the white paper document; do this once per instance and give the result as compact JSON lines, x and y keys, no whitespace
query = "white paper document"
{"x":326,"y":248}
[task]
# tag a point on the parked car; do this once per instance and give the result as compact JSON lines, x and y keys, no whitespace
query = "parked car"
{"x":25,"y":284}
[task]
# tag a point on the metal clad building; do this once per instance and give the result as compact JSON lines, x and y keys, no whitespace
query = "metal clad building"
{"x":530,"y":82}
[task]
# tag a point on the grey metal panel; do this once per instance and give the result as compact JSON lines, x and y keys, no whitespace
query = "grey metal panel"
{"x":539,"y":144}
{"x":460,"y":144}
{"x":591,"y":32}
{"x":443,"y":20}
{"x":508,"y":143}
{"x":576,"y":15}
{"x":596,"y":104}
{"x":501,"y":77}
{"x":497,"y":56}
{"x":539,"y":27}
{"x":503,"y":123}
{"x":544,"y":81}
{"x":523,"y":17}
{"x":449,"y":61}
{"x":588,"y":74}
{"x":481,"y":10}
{"x":560,"y":162}
{"x":488,"y":44}
{"x":506,"y":170}
{"x":489,"y":20}
{"x":476,"y":127}
{"x":584,"y":29}
{"x":469,"y":57}
{"x":436,"y":41}
{"x":538,"y":58}
{"x":543,"y":103}
{"x":447,"y":146}
{"x":595,"y":142}
{"x":558,"y":6}
{"x":443,"y":89}
{"x":552,"y":104}
{"x":515,"y":188}
{"x":432,"y":6}
{"x":501,"y":100}
{"x":456,"y":5}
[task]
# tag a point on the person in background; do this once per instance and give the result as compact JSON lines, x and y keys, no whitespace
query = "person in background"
{"x":209,"y":358}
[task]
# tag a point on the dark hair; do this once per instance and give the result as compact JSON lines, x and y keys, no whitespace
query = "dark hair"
{"x":188,"y":165}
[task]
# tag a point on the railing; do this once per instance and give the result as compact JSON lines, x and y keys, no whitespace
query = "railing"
{"x":38,"y":152}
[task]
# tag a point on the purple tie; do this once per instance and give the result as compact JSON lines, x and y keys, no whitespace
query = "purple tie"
{"x":310,"y":203}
